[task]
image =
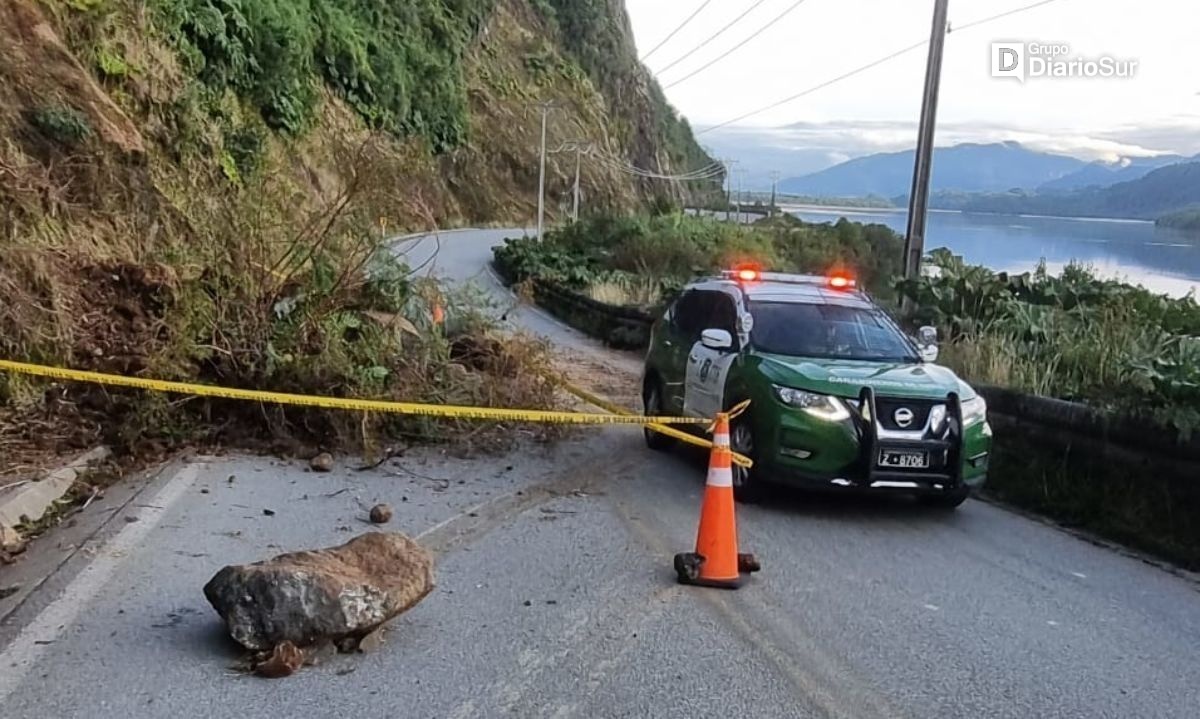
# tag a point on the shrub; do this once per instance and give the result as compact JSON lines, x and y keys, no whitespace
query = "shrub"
{"x":399,"y":65}
{"x":61,"y":124}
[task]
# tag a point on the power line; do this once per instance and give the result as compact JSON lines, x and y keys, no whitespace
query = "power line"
{"x":716,"y":35}
{"x":739,"y":46}
{"x":871,"y":65}
{"x":675,"y":32}
{"x":998,"y":16}
{"x":613,"y":163}
{"x":813,"y":89}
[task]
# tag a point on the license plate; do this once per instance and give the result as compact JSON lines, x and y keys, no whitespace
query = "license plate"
{"x":903,"y":460}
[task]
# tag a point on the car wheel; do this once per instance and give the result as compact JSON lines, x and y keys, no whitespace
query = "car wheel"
{"x":746,"y":485}
{"x":950,"y":500}
{"x":653,"y":402}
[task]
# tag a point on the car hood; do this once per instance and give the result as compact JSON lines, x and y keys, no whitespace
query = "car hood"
{"x":846,"y":378}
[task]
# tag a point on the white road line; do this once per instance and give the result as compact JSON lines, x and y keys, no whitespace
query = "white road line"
{"x":455,"y":518}
{"x":24,"y":651}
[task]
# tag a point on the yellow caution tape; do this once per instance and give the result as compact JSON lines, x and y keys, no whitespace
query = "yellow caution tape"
{"x":362,"y":405}
{"x":657,"y":426}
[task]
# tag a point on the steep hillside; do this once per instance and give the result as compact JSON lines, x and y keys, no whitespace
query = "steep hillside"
{"x":1188,"y":220}
{"x":966,"y":168}
{"x":192,"y":188}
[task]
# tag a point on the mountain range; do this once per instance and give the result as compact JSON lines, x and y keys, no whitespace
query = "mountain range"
{"x":1105,"y":174}
{"x":1166,"y":191}
{"x":965,"y":168}
{"x":1008,"y":177}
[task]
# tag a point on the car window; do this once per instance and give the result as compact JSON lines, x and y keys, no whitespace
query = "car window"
{"x":828,"y":332}
{"x":700,"y":310}
{"x":724,"y":316}
{"x":687,"y":316}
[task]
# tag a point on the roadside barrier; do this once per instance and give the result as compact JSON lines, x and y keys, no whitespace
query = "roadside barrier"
{"x":616,"y":415}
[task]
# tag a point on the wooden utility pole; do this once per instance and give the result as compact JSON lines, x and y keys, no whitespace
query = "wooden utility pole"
{"x":545,"y":108}
{"x":918,"y":201}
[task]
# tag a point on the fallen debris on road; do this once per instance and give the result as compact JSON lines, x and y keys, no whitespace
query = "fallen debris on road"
{"x":309,"y":599}
{"x":381,"y":514}
{"x":323,"y":462}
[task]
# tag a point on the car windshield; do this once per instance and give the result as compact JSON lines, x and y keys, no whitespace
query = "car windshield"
{"x":828,"y":332}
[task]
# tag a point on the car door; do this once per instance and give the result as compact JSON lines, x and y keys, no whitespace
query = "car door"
{"x":708,"y":369}
{"x":679,"y":334}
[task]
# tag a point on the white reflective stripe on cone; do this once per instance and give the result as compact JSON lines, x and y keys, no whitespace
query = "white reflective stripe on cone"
{"x":721,"y":439}
{"x":720,"y":478}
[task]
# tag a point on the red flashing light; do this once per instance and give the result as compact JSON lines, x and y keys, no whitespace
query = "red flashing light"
{"x":842,"y":282}
{"x":748,"y":275}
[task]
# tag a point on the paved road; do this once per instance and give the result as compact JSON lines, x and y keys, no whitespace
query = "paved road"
{"x":556,"y":598}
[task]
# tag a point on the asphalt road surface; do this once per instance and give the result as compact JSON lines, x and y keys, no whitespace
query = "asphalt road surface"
{"x":556,"y":597}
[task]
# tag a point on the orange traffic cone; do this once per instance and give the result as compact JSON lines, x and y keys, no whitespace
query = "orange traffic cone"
{"x":716,"y":562}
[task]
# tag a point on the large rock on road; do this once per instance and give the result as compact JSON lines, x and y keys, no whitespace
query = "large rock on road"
{"x":333,"y":594}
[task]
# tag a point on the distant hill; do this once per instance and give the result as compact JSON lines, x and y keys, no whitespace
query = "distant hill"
{"x":1164,"y":191}
{"x":1105,"y":174}
{"x":965,"y":168}
{"x":1184,"y":220}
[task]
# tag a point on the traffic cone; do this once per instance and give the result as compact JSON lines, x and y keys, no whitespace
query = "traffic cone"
{"x":716,"y":562}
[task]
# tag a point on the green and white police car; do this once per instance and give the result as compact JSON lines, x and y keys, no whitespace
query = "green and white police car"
{"x":840,"y":397}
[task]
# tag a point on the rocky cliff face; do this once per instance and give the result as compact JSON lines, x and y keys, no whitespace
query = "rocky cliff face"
{"x":172,"y":141}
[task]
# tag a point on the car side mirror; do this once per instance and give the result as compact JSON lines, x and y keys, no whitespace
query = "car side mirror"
{"x":927,"y":343}
{"x":717,"y":340}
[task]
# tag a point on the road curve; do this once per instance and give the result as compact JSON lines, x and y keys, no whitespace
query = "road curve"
{"x":556,"y":597}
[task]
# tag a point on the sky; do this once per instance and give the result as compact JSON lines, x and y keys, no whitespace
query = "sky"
{"x":1157,"y":111}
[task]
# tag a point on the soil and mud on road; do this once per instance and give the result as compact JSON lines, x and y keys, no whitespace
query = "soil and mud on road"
{"x":554,"y":594}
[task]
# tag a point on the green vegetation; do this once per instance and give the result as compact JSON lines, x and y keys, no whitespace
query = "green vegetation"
{"x":1075,"y":337}
{"x":62,"y":124}
{"x":399,"y":65}
{"x":258,"y":294}
{"x":642,"y":260}
{"x":1185,"y":220}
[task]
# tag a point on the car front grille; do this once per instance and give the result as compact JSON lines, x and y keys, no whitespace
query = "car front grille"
{"x":889,"y":408}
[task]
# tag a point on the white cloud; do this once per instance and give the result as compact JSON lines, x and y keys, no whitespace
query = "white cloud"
{"x":823,"y":40}
{"x":806,"y":147}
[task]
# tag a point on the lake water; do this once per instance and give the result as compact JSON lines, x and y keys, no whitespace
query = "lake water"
{"x":1163,"y":260}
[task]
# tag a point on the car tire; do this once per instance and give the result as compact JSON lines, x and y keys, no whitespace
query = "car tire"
{"x":747,"y":483}
{"x":949,"y":501}
{"x":653,"y":403}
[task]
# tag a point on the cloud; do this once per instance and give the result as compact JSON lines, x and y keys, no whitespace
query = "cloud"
{"x":805,"y":147}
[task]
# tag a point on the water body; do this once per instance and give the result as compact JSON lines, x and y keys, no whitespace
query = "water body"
{"x":1138,"y":252}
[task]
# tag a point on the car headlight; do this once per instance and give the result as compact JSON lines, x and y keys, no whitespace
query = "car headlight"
{"x":818,"y":405}
{"x":974,"y":411}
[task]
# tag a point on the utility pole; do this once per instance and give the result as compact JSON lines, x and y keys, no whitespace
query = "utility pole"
{"x":918,"y":207}
{"x":742,"y":175}
{"x":580,"y":148}
{"x":545,"y":108}
{"x":729,"y":163}
{"x":774,"y":191}
{"x":578,"y":167}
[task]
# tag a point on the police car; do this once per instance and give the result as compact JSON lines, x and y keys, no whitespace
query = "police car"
{"x":841,"y":397}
